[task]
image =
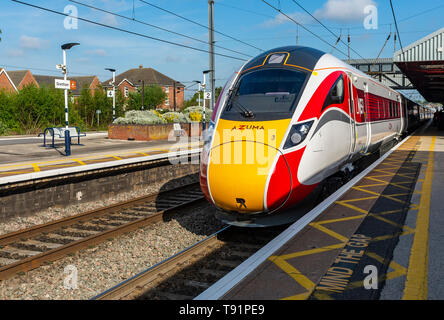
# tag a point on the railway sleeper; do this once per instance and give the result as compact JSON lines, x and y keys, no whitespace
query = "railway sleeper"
{"x":19,"y":252}
{"x":171,"y":296}
{"x":39,"y":245}
{"x":63,"y":236}
{"x":56,"y":238}
{"x":123,"y":217}
{"x":78,"y":231}
{"x":144,"y":209}
{"x":6,"y":261}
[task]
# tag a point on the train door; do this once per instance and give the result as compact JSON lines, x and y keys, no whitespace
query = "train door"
{"x":351,"y":103}
{"x":367,"y":118}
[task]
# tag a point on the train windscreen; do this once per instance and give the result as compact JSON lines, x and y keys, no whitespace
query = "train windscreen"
{"x":266,"y":93}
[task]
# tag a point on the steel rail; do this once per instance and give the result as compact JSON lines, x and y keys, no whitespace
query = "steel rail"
{"x":151,"y":274}
{"x":35,"y":261}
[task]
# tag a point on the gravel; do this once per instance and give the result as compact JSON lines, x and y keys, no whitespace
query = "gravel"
{"x":113,"y":261}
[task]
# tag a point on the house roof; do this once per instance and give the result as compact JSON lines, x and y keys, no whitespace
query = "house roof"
{"x":43,"y":80}
{"x":2,"y":70}
{"x":17,"y":76}
{"x":149,"y":75}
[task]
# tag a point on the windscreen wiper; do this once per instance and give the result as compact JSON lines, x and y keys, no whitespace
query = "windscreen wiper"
{"x":244,"y":111}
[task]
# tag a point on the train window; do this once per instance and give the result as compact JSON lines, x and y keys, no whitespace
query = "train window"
{"x":336,"y":93}
{"x":267,"y":91}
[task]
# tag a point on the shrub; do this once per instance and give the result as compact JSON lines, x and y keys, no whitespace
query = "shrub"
{"x":140,"y":117}
{"x":195,"y":113}
{"x":175,"y":117}
{"x":3,"y":128}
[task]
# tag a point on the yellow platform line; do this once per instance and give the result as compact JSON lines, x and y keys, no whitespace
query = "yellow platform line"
{"x":312,"y":251}
{"x":331,"y":233}
{"x":99,"y":157}
{"x":36,"y":167}
{"x":350,"y":206}
{"x":293,"y":272}
{"x":416,"y":283}
{"x":341,"y":219}
{"x":80,"y":162}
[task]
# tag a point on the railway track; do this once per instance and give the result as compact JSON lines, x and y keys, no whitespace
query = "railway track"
{"x":191,"y":271}
{"x":29,"y":248}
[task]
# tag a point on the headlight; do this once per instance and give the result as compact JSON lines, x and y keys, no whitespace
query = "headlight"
{"x":298,"y":133}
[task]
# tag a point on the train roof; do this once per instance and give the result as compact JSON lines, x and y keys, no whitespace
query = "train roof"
{"x":304,"y":57}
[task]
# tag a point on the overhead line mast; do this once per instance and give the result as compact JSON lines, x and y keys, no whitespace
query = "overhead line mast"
{"x":211,"y":43}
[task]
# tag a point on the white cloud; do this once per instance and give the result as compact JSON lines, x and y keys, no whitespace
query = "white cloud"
{"x":98,"y":52}
{"x":172,"y":59}
{"x":110,"y":20}
{"x":281,"y":19}
{"x":14,"y":53}
{"x":343,"y":10}
{"x":32,"y":43}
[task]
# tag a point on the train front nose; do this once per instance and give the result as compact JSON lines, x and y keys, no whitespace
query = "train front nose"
{"x":239,"y":174}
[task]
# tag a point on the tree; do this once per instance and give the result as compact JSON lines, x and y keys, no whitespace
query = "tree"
{"x":88,"y":104}
{"x":154,"y":97}
{"x":193,"y":101}
{"x":37,"y":108}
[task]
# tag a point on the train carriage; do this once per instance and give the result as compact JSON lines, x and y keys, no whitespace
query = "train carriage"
{"x":287,"y":120}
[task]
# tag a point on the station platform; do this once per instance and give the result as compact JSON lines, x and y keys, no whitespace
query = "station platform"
{"x":21,"y":156}
{"x":379,"y":239}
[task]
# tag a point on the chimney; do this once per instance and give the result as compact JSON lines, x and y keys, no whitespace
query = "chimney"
{"x":141,"y":67}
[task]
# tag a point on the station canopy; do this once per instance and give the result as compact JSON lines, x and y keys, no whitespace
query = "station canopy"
{"x":422,"y":62}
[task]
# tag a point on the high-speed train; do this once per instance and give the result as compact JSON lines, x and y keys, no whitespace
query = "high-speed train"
{"x":287,"y":120}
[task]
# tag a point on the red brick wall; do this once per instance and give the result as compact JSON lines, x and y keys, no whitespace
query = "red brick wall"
{"x":27,"y":80}
{"x":124,"y":84}
{"x":147,"y":132}
{"x":179,"y":98}
{"x":94,"y":85}
{"x":5,"y":84}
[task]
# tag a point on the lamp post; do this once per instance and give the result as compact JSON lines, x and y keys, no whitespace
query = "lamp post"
{"x":65,"y":47}
{"x":113,"y":83}
{"x":204,"y":86}
{"x":198,"y":91}
{"x":143,"y":93}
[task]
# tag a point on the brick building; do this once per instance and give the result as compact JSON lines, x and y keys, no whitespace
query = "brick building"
{"x":22,"y":78}
{"x":131,"y":81}
{"x":6,"y":84}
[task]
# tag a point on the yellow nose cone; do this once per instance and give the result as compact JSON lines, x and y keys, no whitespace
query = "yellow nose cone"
{"x":240,"y":162}
{"x":238,"y":176}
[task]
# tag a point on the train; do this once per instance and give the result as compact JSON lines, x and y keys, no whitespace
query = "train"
{"x":286,"y":121}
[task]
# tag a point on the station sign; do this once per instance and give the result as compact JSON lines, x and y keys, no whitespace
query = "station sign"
{"x":65,"y":84}
{"x":207,"y":95}
{"x":109,"y":93}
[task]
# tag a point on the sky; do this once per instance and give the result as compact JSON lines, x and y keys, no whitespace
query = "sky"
{"x":31,"y":38}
